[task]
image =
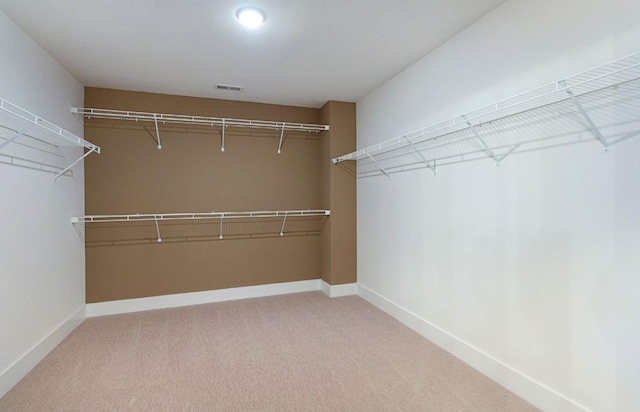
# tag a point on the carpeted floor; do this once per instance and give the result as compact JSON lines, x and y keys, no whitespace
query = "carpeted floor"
{"x":302,"y":352}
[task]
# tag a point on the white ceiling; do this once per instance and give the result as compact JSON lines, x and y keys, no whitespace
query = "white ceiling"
{"x":307,"y":52}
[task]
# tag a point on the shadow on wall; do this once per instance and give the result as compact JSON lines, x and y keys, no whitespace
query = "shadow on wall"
{"x":31,"y":153}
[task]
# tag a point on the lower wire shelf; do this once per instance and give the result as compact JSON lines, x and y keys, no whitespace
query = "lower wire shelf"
{"x":109,"y":230}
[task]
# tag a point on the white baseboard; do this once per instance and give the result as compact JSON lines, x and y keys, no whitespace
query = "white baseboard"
{"x":336,"y":291}
{"x":199,"y":298}
{"x":522,"y":385}
{"x":19,"y":369}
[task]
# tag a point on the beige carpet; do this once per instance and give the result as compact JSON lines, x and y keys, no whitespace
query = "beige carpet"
{"x":302,"y":352}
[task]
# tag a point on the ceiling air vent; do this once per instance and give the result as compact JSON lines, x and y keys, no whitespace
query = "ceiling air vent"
{"x":229,"y":87}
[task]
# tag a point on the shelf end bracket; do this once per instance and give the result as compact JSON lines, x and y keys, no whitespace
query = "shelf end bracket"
{"x":283,"y":223}
{"x":281,"y":138}
{"x":511,"y":150}
{"x":223,"y":127}
{"x":66,"y":169}
{"x":157,"y":229}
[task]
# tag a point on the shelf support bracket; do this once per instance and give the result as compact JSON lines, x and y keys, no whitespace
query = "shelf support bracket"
{"x":223,"y":127}
{"x":377,"y":164}
{"x":155,"y":120}
{"x":513,"y":149}
{"x":426,"y":162}
{"x":14,"y":138}
{"x":221,"y":218}
{"x":594,"y":129}
{"x":281,"y":138}
{"x":157,"y":229}
{"x":283,"y":223}
{"x":486,"y":148}
{"x":66,"y":169}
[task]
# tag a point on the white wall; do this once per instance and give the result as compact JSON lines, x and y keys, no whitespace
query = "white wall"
{"x":41,"y":257}
{"x":529,"y":271}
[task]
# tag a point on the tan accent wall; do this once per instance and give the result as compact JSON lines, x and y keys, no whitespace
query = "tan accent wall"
{"x":191,"y":174}
{"x":338,"y":192}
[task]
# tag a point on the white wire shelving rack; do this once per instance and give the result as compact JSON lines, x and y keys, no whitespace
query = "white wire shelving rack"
{"x":222,"y":123}
{"x":103,"y":230}
{"x":19,"y":127}
{"x":602,"y":104}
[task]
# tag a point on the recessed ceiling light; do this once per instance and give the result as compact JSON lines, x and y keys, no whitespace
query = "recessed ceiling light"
{"x":251,"y":16}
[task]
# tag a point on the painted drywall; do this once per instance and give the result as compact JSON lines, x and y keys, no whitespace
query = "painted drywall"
{"x":191,"y":174}
{"x":534,"y":264}
{"x":338,"y":191}
{"x":41,"y":257}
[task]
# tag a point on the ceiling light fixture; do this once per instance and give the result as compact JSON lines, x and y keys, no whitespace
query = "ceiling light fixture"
{"x":251,"y":17}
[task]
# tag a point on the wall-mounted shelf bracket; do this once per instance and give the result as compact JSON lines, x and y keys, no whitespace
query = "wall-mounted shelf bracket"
{"x":504,"y":156}
{"x":284,"y":221}
{"x":66,"y":169}
{"x":594,"y":129}
{"x":416,"y":151}
{"x":281,"y":138}
{"x":224,"y":126}
{"x":377,"y":164}
{"x":155,"y":120}
{"x":158,"y":229}
{"x":485,"y":146}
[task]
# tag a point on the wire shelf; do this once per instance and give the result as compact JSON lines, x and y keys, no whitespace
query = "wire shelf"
{"x":104,"y":230}
{"x":36,"y":141}
{"x":602,"y":104}
{"x":223,"y":123}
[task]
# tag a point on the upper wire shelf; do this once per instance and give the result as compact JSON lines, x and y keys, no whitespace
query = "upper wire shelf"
{"x":602,"y":104}
{"x":21,"y":127}
{"x":223,"y":123}
{"x":102,"y":230}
